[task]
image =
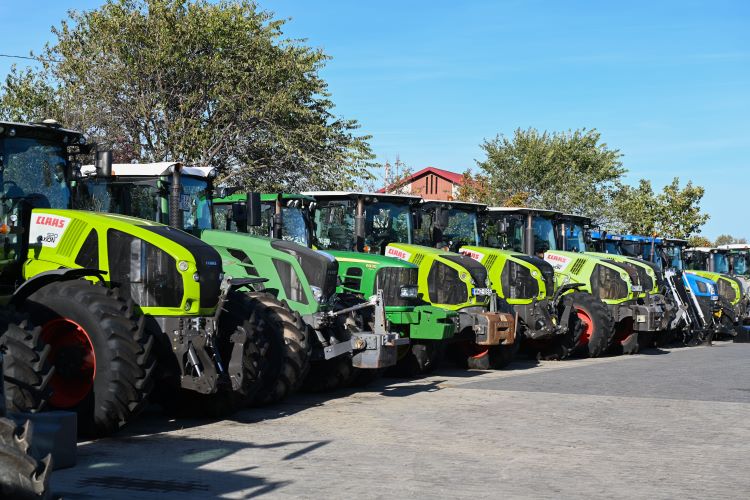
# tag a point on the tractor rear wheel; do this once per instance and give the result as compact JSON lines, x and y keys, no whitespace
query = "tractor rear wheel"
{"x":21,"y":475}
{"x":102,"y":355}
{"x":591,"y":324}
{"x":285,"y":347}
{"x":25,"y":362}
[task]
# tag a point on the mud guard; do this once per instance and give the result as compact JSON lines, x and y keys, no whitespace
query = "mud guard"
{"x":41,"y":280}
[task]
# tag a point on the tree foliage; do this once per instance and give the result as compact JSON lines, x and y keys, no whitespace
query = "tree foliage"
{"x":568,"y":171}
{"x":674,"y":212}
{"x":212,"y":83}
{"x":728,"y":239}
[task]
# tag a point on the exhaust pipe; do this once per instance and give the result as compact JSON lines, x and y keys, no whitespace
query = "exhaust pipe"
{"x":175,"y":212}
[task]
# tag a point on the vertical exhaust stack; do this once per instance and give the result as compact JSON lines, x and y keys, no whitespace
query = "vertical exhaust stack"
{"x":103,"y":163}
{"x":175,"y":211}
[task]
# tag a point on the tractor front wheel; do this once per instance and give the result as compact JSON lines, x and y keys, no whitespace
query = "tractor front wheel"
{"x":25,"y":362}
{"x":21,"y":475}
{"x":420,"y":357}
{"x":590,"y":324}
{"x":102,"y":356}
{"x":285,"y":347}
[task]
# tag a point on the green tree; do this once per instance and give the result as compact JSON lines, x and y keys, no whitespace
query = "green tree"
{"x":728,"y":239}
{"x":699,"y":241}
{"x":674,"y":212}
{"x":213,"y":83}
{"x":568,"y":171}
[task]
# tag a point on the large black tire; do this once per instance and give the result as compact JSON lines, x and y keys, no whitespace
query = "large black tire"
{"x":102,"y":355}
{"x":421,"y":357}
{"x":626,"y":339}
{"x":21,"y":475}
{"x":285,"y":347}
{"x":590,"y":324}
{"x":25,"y":361}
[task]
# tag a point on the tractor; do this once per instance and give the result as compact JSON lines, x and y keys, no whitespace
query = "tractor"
{"x":526,"y":283}
{"x":124,"y":304}
{"x":331,"y":340}
{"x":692,"y":299}
{"x":629,"y":250}
{"x":714,"y":264}
{"x":612,"y":326}
{"x":383,"y":224}
{"x":288,"y":216}
{"x":739,"y":263}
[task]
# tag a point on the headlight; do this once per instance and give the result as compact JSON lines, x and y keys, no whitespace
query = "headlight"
{"x":317,"y":293}
{"x":183,"y":265}
{"x":408,"y":292}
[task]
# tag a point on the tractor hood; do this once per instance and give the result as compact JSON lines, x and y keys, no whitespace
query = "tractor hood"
{"x":452,"y":280}
{"x":517,"y":277}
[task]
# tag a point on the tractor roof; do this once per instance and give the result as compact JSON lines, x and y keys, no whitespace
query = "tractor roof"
{"x":157,"y":169}
{"x":458,"y":203}
{"x":700,"y":249}
{"x":524,"y":210}
{"x":735,"y":246}
{"x":359,"y":194}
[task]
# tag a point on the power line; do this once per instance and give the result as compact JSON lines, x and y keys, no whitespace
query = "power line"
{"x":30,"y":58}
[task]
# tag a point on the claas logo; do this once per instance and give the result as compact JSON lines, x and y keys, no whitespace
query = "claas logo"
{"x":44,"y":220}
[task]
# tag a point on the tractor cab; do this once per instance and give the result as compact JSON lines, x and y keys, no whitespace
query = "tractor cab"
{"x":282,"y":216}
{"x":574,"y":233}
{"x":448,"y":225}
{"x":525,"y":230}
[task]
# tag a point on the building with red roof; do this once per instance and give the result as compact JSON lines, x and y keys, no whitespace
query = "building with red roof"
{"x":430,"y":183}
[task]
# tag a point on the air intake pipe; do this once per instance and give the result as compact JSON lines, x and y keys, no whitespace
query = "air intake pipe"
{"x":175,"y":211}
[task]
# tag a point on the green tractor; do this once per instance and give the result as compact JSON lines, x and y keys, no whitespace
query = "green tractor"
{"x":287,"y":216}
{"x":527,"y":283}
{"x":614,"y":327}
{"x":124,"y":304}
{"x":714,"y":264}
{"x":330,"y":340}
{"x":574,"y":235}
{"x":382,"y":224}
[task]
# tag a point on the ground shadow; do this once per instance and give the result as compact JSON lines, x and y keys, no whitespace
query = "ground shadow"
{"x":168,"y":466}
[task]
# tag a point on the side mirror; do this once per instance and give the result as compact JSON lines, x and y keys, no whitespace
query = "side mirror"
{"x":103,"y":163}
{"x":442,"y":217}
{"x":502,"y":226}
{"x":253,"y":209}
{"x":239,"y":212}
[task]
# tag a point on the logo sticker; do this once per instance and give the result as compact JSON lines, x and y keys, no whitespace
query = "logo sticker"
{"x":559,"y":262}
{"x":47,"y":229}
{"x":397,"y":252}
{"x":473,"y":254}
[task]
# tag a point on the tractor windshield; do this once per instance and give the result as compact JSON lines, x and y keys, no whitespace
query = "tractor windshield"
{"x":544,"y":234}
{"x":386,"y":222}
{"x":697,"y":261}
{"x":500,"y":231}
{"x":461,"y":228}
{"x":612,"y":246}
{"x":34,"y":170}
{"x":195,"y":203}
{"x":137,"y":198}
{"x":334,"y":225}
{"x":673,"y":255}
{"x":739,"y":263}
{"x":575,"y":237}
{"x":721,"y":263}
{"x":632,"y":248}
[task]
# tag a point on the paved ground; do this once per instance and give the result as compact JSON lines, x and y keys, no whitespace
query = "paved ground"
{"x":668,"y":424}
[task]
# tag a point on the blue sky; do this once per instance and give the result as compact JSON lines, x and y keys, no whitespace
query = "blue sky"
{"x":667,"y":83}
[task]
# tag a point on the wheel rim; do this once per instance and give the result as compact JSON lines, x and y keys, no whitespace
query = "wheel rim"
{"x":587,"y":326}
{"x":475,"y":351}
{"x":72,"y":354}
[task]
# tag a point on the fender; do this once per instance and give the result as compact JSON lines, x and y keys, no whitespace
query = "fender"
{"x":40,"y":280}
